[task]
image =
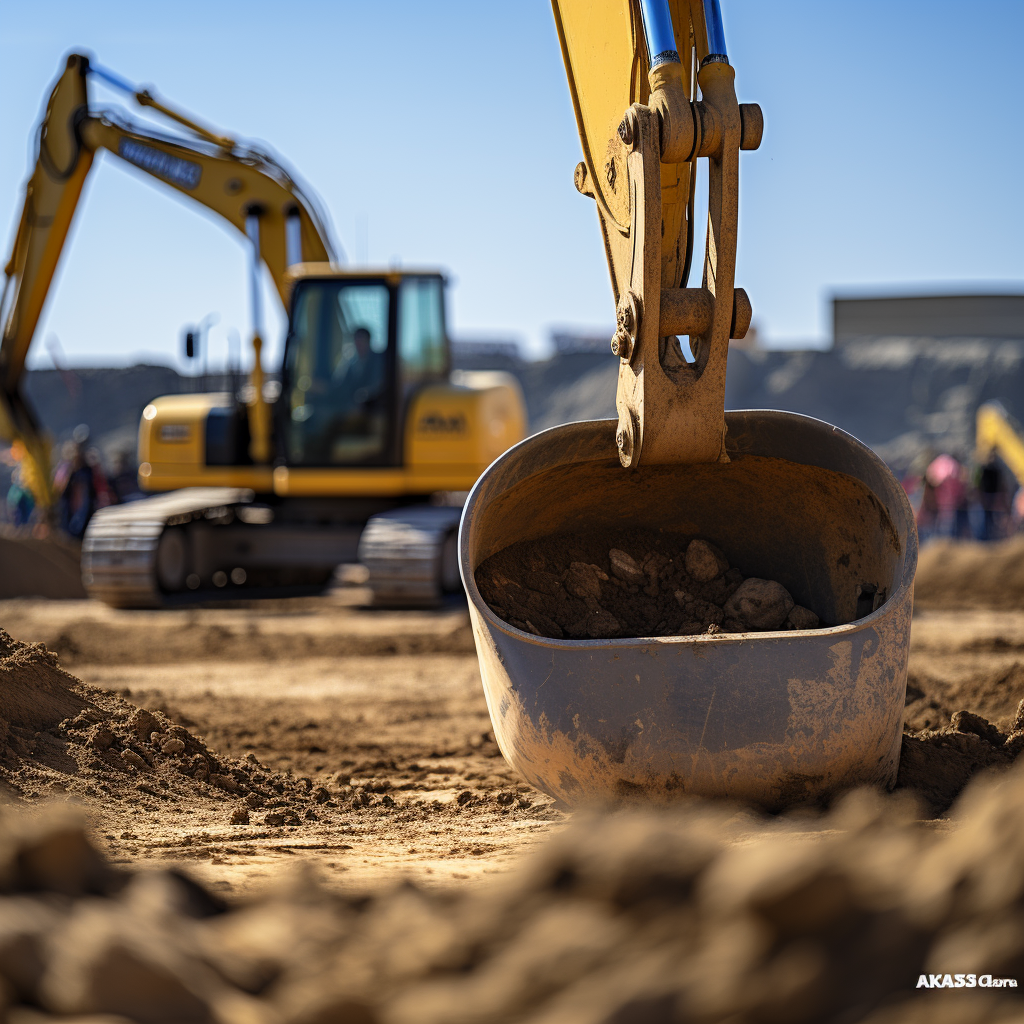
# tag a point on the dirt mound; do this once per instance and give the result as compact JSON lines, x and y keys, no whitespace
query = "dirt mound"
{"x":938,"y":763}
{"x":994,"y":693}
{"x":965,"y":574}
{"x":324,"y":780}
{"x":656,"y":918}
{"x":58,"y":735}
{"x":31,"y":567}
{"x":638,"y":583}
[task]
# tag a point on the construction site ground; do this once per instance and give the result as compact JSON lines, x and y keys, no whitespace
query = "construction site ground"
{"x":385,"y":703}
{"x":389,"y":702}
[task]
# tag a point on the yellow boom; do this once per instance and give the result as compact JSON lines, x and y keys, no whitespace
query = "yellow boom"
{"x":995,"y":435}
{"x":245,"y":186}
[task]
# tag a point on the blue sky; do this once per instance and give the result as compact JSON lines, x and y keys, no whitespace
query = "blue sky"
{"x":443,"y":135}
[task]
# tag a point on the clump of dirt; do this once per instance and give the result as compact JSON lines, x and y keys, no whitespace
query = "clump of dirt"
{"x":699,"y":914}
{"x":644,"y":583}
{"x":938,"y":763}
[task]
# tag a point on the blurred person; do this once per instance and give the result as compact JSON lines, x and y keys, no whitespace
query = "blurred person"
{"x":64,"y":467}
{"x":913,"y":479}
{"x":1017,"y":511}
{"x":945,"y":474}
{"x":21,"y":502}
{"x":125,"y":479}
{"x":994,"y":497}
{"x":101,"y":485}
{"x":77,"y":490}
{"x":927,"y":514}
{"x":360,"y":377}
{"x":964,"y":497}
{"x":911,"y":483}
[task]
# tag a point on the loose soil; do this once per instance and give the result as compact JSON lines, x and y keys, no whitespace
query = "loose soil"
{"x":372,"y":766}
{"x":704,"y":913}
{"x":410,"y":734}
{"x":638,"y":583}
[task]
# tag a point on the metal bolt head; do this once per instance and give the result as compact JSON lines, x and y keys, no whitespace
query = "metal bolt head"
{"x":625,"y":439}
{"x":579,"y":178}
{"x":627,"y":324}
{"x":627,"y":129}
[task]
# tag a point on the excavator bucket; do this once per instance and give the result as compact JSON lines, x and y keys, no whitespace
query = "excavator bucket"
{"x":675,"y":692}
{"x":776,"y":718}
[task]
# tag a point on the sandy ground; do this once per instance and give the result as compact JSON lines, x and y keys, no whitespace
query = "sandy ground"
{"x":969,"y":658}
{"x":256,"y":681}
{"x":386,"y":704}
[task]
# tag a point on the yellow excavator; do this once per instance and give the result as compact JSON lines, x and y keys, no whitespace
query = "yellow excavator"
{"x":357,"y":453}
{"x":997,"y":433}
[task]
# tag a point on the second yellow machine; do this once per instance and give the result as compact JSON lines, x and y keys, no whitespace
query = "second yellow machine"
{"x":370,"y":442}
{"x":358,"y":452}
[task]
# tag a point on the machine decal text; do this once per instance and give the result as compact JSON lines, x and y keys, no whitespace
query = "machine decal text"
{"x":439,"y":423}
{"x":183,"y":173}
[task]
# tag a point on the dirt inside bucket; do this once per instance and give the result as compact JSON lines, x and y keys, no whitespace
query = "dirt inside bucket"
{"x":631,"y":584}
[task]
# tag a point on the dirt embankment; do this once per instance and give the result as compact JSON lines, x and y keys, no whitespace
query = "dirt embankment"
{"x":965,"y":574}
{"x":33,"y":567}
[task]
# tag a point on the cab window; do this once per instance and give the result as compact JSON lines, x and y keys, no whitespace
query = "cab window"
{"x":421,"y":339}
{"x":337,"y":409}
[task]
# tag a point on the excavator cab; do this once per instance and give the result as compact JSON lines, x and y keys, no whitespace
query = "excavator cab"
{"x":358,"y":348}
{"x":369,"y":440}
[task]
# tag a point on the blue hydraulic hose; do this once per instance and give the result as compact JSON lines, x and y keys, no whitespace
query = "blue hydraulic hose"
{"x":716,"y":33}
{"x":112,"y":78}
{"x":658,"y":31}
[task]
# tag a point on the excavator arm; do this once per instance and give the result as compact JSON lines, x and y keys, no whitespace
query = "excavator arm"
{"x":245,"y":186}
{"x":997,"y":434}
{"x":634,"y":72}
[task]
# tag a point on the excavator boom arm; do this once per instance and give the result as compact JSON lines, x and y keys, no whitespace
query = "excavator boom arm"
{"x":245,"y":186}
{"x":996,"y":434}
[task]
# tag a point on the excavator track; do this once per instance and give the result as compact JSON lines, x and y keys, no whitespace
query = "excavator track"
{"x":215,"y":543}
{"x":411,"y":554}
{"x":121,"y":545}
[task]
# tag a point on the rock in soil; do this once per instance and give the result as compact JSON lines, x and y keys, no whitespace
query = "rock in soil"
{"x":759,"y":604}
{"x":580,"y":587}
